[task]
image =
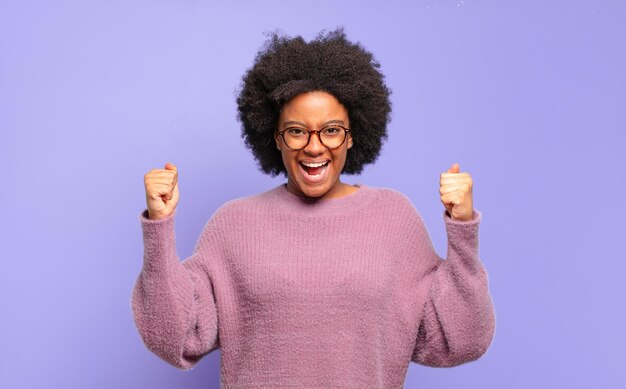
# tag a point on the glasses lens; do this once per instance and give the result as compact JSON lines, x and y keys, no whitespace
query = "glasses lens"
{"x":296,"y":138}
{"x":332,"y":137}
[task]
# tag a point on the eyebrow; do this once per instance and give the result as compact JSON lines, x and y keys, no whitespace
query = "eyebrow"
{"x":291,"y":122}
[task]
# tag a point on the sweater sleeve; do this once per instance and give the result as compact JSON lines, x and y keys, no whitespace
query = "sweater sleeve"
{"x":458,"y":322}
{"x":172,"y":302}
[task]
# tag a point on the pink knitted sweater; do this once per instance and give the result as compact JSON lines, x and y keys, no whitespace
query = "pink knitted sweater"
{"x":304,"y":293}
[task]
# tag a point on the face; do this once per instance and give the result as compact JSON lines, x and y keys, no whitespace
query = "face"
{"x":312,"y":111}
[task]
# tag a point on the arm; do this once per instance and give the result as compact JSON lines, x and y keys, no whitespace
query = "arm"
{"x":458,"y":323}
{"x":172,"y":302}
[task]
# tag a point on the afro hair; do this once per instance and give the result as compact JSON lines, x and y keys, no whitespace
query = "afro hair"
{"x":286,"y":67}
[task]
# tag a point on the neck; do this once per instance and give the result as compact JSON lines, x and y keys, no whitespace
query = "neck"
{"x":294,"y":204}
{"x":339,"y":189}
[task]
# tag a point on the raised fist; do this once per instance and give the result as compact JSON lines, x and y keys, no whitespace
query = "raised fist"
{"x":455,"y":189}
{"x":161,"y":191}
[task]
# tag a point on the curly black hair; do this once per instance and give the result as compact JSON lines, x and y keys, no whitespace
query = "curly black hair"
{"x":286,"y":67}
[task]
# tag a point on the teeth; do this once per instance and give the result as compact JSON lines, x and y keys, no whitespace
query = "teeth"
{"x":308,"y":164}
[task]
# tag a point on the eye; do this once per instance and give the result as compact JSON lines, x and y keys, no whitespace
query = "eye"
{"x":295,"y":131}
{"x":332,"y":130}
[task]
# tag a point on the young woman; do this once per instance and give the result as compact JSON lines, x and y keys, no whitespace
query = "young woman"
{"x":315,"y":283}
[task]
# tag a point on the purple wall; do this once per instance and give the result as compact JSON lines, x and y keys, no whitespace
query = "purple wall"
{"x":528,"y":96}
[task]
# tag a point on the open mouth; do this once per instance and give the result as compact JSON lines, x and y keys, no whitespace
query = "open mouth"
{"x":314,"y":169}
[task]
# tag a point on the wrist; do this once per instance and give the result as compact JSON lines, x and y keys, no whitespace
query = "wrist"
{"x":156,"y":215}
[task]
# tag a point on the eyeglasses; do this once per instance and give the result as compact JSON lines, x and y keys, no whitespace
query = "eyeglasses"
{"x":331,"y":136}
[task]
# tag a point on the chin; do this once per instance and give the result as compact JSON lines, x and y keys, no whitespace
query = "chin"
{"x":315,"y":191}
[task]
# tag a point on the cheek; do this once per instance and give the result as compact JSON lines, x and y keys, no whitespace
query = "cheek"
{"x":289,"y":158}
{"x":340,"y":157}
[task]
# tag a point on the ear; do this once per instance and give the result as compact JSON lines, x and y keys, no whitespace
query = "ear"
{"x":277,"y":140}
{"x":349,"y":140}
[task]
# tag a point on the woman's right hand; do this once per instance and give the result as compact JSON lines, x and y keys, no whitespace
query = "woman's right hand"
{"x":161,"y":191}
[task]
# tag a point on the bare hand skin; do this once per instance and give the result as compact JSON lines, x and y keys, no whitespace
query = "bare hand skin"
{"x":161,"y":191}
{"x":456,"y":193}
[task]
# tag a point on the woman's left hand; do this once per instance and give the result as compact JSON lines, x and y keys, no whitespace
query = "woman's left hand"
{"x":456,"y":193}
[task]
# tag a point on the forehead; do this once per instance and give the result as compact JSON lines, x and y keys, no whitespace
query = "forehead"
{"x":313,"y":108}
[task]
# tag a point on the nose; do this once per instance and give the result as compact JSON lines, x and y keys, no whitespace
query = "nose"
{"x":315,"y":146}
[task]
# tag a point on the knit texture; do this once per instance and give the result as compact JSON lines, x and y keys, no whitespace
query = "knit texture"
{"x":309,"y":293}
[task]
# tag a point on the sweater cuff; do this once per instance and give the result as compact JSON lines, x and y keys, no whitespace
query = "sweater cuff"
{"x":463,"y":228}
{"x":159,"y":241}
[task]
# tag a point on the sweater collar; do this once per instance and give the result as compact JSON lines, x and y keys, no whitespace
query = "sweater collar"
{"x":291,"y":202}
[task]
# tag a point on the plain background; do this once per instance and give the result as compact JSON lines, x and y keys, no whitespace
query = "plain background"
{"x":528,"y":96}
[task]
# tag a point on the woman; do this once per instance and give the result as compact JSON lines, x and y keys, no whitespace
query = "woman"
{"x":315,"y":283}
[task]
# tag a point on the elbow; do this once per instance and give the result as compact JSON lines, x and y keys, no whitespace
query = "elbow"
{"x":469,"y":353}
{"x":156,"y":335}
{"x":168,"y":351}
{"x":465,"y":354}
{"x":466,"y":346}
{"x":180,"y":328}
{"x":184,"y":362}
{"x":199,"y":342}
{"x":170,"y":342}
{"x":472,"y":345}
{"x":174,"y":358}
